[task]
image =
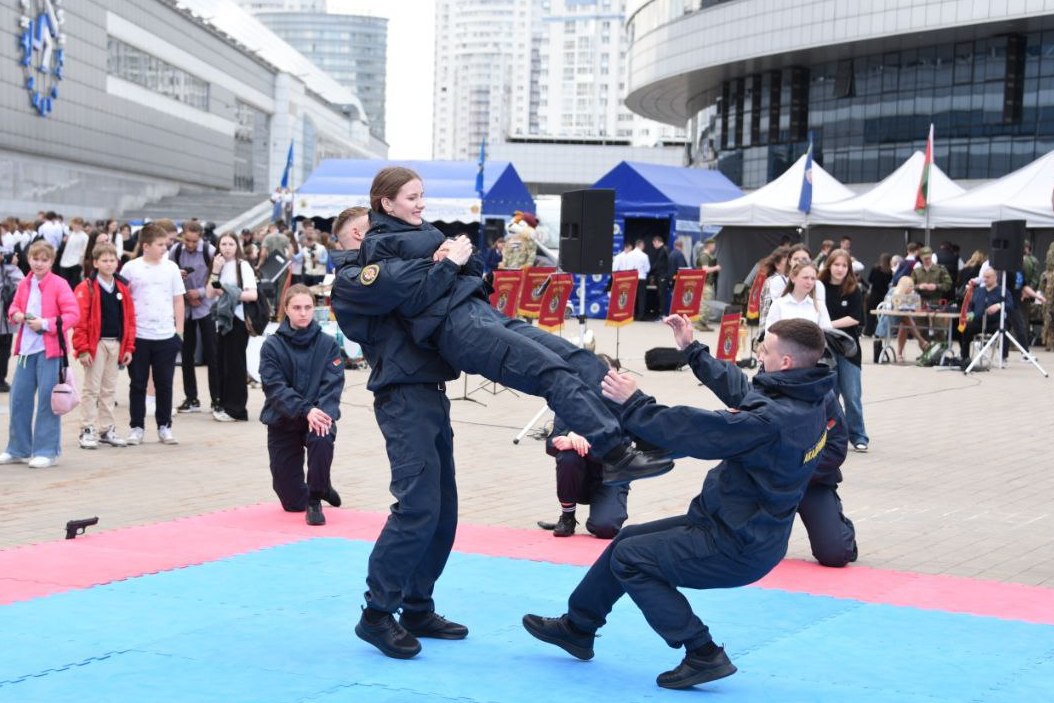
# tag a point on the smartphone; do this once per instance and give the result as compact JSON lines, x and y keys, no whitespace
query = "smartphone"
{"x":30,"y":316}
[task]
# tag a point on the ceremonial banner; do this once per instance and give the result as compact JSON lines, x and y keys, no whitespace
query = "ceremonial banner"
{"x":506,"y":293}
{"x":554,"y":301}
{"x":688,"y":292}
{"x":728,"y":337}
{"x":623,"y":298}
{"x":964,"y":312}
{"x":534,"y":279}
{"x":754,"y":301}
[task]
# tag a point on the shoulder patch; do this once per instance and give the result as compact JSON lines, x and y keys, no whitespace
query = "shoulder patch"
{"x":369,"y":274}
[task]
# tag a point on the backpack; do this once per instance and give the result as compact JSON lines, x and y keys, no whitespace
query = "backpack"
{"x":933,"y":354}
{"x":257,"y":312}
{"x":665,"y":359}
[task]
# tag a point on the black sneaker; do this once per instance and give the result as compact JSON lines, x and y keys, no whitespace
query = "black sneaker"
{"x":189,"y":406}
{"x":332,"y":497}
{"x":5,"y":387}
{"x":565,"y":526}
{"x":696,"y":669}
{"x":429,"y":624}
{"x":627,"y":463}
{"x":314,"y":516}
{"x":562,"y":633}
{"x":383,"y":632}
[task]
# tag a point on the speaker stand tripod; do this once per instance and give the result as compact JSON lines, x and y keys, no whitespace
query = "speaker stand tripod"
{"x":1003,"y":336}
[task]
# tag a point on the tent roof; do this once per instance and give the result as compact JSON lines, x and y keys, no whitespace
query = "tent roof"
{"x":776,"y":204}
{"x":450,"y":188}
{"x":1026,"y":194}
{"x":890,"y":203}
{"x":649,"y":190}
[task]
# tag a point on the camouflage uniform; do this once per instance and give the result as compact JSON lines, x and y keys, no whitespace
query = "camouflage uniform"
{"x":1047,"y":283}
{"x":705,"y":260}
{"x":937,"y":274}
{"x":519,"y":251}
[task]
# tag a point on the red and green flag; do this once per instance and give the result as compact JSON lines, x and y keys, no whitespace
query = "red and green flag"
{"x":922,"y":197}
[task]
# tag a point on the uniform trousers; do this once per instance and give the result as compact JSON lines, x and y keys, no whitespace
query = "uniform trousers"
{"x":831,"y":534}
{"x":286,"y":445}
{"x":650,"y":561}
{"x":412,"y":549}
{"x":580,"y":480}
{"x":477,"y":339}
{"x":152,"y":358}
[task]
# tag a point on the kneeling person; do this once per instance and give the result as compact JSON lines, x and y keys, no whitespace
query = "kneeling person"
{"x":303,"y":377}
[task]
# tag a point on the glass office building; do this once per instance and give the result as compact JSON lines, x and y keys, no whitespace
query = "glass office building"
{"x":865,"y":79}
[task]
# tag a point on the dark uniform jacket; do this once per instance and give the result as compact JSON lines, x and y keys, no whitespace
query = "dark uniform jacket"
{"x":364,"y":300}
{"x":424,"y":297}
{"x":769,"y":440}
{"x":300,"y":370}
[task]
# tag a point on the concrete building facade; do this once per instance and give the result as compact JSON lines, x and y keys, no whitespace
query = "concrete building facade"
{"x":137,"y":99}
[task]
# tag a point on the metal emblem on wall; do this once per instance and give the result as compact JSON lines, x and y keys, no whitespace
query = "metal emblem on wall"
{"x":42,"y":50}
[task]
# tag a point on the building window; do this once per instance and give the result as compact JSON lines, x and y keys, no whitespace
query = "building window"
{"x":136,"y":66}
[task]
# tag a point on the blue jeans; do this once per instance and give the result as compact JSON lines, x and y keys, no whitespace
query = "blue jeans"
{"x":34,"y":433}
{"x":849,"y":389}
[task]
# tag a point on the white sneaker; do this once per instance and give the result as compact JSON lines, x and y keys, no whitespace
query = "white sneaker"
{"x":165,"y":435}
{"x":109,"y":436}
{"x":8,"y":458}
{"x":221,"y":416}
{"x":88,"y":439}
{"x":135,"y":436}
{"x":41,"y":462}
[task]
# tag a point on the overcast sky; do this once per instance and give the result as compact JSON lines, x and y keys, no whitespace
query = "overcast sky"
{"x":411,"y":59}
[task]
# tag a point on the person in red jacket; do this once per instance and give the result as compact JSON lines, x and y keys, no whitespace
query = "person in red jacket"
{"x":42,"y":299}
{"x":103,"y":342}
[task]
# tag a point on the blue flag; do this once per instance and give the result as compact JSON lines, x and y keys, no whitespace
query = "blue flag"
{"x":482,"y":160}
{"x":805,"y":199}
{"x":288,"y":167}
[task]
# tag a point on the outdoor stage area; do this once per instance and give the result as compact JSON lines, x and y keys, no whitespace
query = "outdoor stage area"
{"x":195,"y":586}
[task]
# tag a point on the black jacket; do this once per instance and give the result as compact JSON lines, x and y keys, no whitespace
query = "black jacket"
{"x":300,"y":370}
{"x":365,"y":304}
{"x":769,"y":441}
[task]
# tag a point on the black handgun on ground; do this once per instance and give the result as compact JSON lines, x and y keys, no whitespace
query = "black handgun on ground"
{"x":77,"y":527}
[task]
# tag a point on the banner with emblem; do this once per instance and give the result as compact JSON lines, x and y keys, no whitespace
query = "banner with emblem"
{"x":688,"y":292}
{"x":554,"y":301}
{"x":534,"y":279}
{"x":506,"y":295}
{"x":728,"y":337}
{"x":623,"y":298}
{"x":754,"y":301}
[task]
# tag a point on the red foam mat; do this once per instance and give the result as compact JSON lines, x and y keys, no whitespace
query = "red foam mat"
{"x":104,"y":556}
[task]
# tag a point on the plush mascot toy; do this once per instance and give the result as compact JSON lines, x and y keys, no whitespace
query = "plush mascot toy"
{"x":520,"y":245}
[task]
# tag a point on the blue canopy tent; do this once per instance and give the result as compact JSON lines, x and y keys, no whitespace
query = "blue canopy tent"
{"x":654,"y":200}
{"x":450,"y":189}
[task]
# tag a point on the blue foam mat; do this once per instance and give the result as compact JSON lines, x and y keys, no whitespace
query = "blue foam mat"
{"x":277,"y":625}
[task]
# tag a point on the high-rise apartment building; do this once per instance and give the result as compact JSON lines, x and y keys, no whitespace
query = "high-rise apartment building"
{"x":482,"y":72}
{"x":350,"y":48}
{"x":554,"y":69}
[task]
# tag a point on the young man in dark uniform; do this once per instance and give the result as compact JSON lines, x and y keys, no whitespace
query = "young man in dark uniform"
{"x":737,"y":529}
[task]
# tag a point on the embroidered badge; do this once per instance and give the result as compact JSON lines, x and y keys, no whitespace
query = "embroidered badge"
{"x":369,"y":274}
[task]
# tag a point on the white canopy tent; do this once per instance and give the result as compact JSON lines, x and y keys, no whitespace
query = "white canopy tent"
{"x":776,"y":204}
{"x":890,"y":203}
{"x":1026,"y":194}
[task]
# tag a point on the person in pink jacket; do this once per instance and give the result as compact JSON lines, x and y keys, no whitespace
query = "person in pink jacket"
{"x":41,"y":298}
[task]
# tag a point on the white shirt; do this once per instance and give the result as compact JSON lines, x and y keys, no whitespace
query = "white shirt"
{"x":787,"y":308}
{"x":619,"y":262}
{"x":73,"y":254}
{"x":637,"y":259}
{"x":229,"y":276}
{"x":52,"y":232}
{"x":32,"y":342}
{"x":153,"y":287}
